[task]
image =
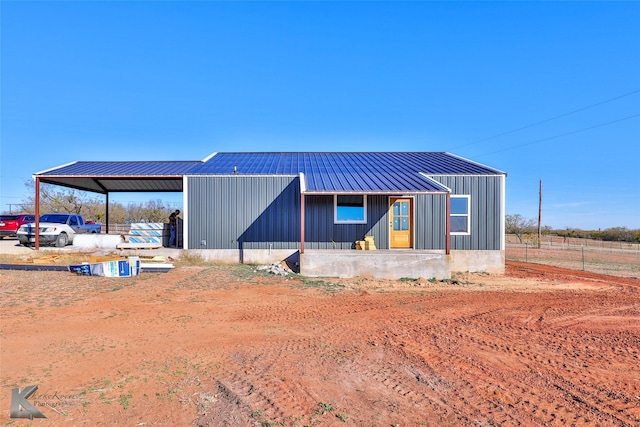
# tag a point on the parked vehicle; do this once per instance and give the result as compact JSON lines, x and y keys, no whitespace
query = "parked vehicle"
{"x":56,"y":229}
{"x":9,"y":224}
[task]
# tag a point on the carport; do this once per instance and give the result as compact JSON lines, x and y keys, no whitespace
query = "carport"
{"x":113,"y":177}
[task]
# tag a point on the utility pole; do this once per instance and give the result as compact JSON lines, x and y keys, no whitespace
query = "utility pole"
{"x":540,"y":217}
{"x":14,"y":204}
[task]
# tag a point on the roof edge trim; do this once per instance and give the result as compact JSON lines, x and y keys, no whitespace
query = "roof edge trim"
{"x":476,"y":163}
{"x":209,"y":157}
{"x":303,"y":183}
{"x":115,"y":177}
{"x":374,"y":193}
{"x":54,"y":168}
{"x":434,"y":182}
{"x":237,"y":175}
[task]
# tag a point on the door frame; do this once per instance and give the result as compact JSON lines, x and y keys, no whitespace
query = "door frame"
{"x":412,"y":220}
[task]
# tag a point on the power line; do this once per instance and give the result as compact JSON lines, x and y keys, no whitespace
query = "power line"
{"x":550,"y":119}
{"x":561,"y":135}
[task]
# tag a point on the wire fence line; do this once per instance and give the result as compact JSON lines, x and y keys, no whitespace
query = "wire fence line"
{"x":614,"y":258}
{"x":559,"y":242}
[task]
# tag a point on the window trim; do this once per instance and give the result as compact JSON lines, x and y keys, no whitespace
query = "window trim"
{"x":335,"y":210}
{"x":468,"y":215}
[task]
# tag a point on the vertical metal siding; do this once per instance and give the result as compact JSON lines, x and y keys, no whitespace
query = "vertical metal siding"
{"x":430,"y":223}
{"x":249,"y":212}
{"x":322,"y":233}
{"x":486,"y":211}
{"x":230,"y":212}
{"x":378,"y":208}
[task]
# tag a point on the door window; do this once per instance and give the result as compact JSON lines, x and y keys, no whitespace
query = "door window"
{"x":401,"y":216}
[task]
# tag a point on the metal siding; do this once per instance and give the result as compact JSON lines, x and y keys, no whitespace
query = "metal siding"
{"x":322,"y":233}
{"x":430,"y":223}
{"x":421,"y":222}
{"x":379,"y":209}
{"x":319,"y":222}
{"x":234,"y":212}
{"x":485,"y":210}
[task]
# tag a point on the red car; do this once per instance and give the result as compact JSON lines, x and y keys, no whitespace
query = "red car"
{"x":9,"y":224}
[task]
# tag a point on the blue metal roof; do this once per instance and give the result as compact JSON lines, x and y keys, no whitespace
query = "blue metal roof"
{"x":115,"y":169}
{"x":106,"y":177}
{"x":349,"y":172}
{"x":372,"y":172}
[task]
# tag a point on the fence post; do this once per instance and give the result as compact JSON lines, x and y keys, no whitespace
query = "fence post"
{"x":526,"y":252}
{"x":583,"y":258}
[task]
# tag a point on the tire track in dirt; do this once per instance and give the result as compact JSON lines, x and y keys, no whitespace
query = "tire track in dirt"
{"x":491,"y":345}
{"x":368,"y":369}
{"x":331,"y":346}
{"x":476,"y":332}
{"x":463,"y":376}
{"x":262,"y":383}
{"x":271,"y":351}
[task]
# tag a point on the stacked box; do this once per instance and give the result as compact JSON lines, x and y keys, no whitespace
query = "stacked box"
{"x":146,"y":232}
{"x":115,"y":268}
{"x":369,"y":243}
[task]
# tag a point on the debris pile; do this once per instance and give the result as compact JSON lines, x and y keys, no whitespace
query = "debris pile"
{"x":276,"y":268}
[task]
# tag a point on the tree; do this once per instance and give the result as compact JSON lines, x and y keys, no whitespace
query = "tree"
{"x":151,"y":211}
{"x":618,"y":234}
{"x":518,"y":225}
{"x":54,"y":198}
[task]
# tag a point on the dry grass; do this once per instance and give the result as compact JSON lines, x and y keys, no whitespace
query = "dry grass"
{"x":189,"y":259}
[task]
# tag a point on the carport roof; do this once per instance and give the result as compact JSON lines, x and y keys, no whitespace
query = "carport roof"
{"x":374,"y":172}
{"x":106,"y":177}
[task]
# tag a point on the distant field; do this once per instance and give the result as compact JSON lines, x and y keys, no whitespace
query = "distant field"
{"x":614,"y":258}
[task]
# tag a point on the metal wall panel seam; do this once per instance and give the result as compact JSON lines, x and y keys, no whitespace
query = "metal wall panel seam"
{"x":185,"y":213}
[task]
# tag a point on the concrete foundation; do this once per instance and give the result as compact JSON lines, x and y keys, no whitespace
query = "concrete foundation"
{"x":478,"y":261}
{"x":246,"y":256}
{"x":380,"y":264}
{"x":396,"y":264}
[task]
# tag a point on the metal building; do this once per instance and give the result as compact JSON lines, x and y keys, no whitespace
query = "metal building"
{"x":385,"y":214}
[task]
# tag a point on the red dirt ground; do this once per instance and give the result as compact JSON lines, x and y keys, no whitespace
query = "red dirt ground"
{"x":224,"y":346}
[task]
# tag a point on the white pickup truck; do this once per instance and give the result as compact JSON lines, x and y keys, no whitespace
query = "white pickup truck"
{"x":56,"y":229}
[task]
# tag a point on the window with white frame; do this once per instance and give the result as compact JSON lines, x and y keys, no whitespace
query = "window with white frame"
{"x":460,"y":215}
{"x":350,"y":209}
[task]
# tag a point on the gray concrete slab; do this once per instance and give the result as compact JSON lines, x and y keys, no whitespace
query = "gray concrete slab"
{"x":11,"y":246}
{"x":380,"y":264}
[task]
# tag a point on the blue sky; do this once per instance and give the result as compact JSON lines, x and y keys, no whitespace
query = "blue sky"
{"x":541,"y":90}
